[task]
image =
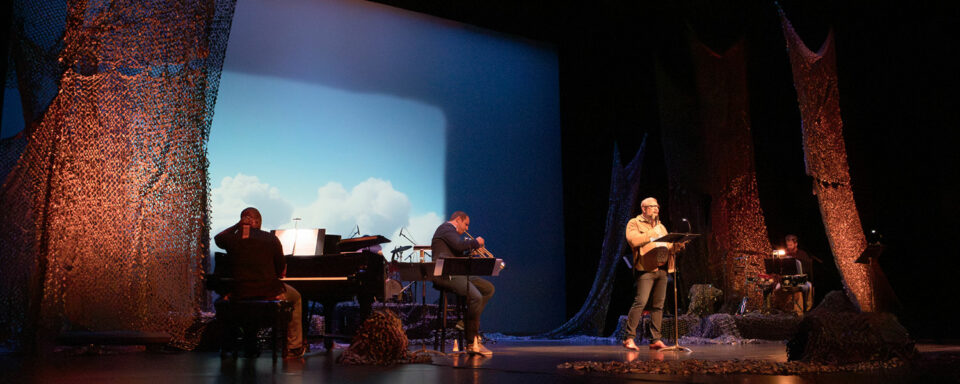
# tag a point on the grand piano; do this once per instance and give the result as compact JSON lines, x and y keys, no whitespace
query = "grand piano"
{"x":349,"y":272}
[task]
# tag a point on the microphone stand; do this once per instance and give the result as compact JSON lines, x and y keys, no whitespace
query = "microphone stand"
{"x":676,"y":312}
{"x":296,"y":234}
{"x":409,"y":256}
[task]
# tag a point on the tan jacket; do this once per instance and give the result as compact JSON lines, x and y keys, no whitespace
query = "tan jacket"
{"x":639,"y":232}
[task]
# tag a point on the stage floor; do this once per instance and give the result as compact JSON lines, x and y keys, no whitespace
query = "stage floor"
{"x":513,"y":362}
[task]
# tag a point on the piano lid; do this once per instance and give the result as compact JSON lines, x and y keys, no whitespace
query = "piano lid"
{"x":356,"y":243}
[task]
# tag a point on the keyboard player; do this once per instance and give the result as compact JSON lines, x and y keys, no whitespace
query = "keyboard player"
{"x":257,"y":263}
{"x":448,"y":241}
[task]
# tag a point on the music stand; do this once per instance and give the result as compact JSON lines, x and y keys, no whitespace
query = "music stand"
{"x":781,"y":266}
{"x":468,"y":266}
{"x":419,"y":272}
{"x":676,"y":238}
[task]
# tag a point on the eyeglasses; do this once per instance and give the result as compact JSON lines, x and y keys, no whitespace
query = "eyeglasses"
{"x":651,"y":206}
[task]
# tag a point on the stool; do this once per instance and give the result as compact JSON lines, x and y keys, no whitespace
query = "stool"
{"x":440,"y":339}
{"x":243,"y":319}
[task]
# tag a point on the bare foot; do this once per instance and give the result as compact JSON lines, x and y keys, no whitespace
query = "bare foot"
{"x":657,"y":345}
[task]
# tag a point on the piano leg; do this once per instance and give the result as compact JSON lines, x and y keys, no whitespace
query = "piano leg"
{"x":366,"y":306}
{"x":332,"y":325}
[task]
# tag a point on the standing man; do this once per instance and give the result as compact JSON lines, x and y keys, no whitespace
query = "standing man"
{"x":651,"y":261}
{"x":257,"y":263}
{"x":448,"y":241}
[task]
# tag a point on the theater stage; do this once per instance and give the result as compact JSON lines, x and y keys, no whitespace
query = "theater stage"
{"x":530,"y":361}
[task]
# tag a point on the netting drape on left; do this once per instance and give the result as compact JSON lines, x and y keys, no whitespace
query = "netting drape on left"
{"x":104,"y":217}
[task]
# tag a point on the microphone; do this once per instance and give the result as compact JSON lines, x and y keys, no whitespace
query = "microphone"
{"x":407,"y":237}
{"x":689,"y":230}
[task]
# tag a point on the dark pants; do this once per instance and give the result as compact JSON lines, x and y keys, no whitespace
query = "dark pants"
{"x":647,"y":281}
{"x":477,"y":291}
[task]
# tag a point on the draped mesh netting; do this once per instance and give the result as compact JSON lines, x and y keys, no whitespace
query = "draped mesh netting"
{"x":36,"y":39}
{"x":104,"y":216}
{"x":825,"y":155}
{"x":739,"y":232}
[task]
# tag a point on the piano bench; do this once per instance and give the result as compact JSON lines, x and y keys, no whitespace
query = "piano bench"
{"x":460,"y":307}
{"x":244,"y":318}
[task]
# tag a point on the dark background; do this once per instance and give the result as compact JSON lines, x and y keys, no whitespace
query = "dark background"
{"x":898,"y":97}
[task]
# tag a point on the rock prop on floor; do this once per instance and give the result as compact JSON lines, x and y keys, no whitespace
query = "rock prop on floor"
{"x":767,"y":326}
{"x":834,"y":333}
{"x":835,"y":301}
{"x":380,"y":340}
{"x":704,"y":299}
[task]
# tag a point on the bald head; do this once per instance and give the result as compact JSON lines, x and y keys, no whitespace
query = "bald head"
{"x":251,"y":216}
{"x":650,"y":209}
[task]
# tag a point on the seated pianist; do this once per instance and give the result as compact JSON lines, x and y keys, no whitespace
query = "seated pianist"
{"x":257,"y":264}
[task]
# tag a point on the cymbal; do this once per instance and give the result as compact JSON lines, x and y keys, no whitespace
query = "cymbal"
{"x":400,"y":249}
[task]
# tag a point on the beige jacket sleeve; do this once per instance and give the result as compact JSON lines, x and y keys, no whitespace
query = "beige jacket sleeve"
{"x":638,"y":233}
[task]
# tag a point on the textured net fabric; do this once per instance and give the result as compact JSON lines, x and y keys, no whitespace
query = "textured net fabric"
{"x":739,"y":238}
{"x":104,"y":217}
{"x":36,"y":41}
{"x":624,"y":188}
{"x":825,"y":154}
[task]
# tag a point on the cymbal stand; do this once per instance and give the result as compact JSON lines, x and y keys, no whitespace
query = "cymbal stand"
{"x":423,"y":307}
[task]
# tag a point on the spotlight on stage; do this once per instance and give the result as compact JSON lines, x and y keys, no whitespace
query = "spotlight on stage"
{"x":301,"y":242}
{"x":779,"y":253}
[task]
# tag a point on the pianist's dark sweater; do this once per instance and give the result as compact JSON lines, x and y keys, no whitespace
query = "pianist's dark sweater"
{"x":255,"y":262}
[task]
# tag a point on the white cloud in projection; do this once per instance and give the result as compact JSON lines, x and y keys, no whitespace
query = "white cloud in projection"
{"x":373,"y":205}
{"x":241,"y":191}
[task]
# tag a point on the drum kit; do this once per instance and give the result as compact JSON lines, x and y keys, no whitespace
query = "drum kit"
{"x":394,"y":290}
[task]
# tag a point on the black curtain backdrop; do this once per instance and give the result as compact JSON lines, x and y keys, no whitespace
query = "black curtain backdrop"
{"x":897,"y":90}
{"x":898,"y":94}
